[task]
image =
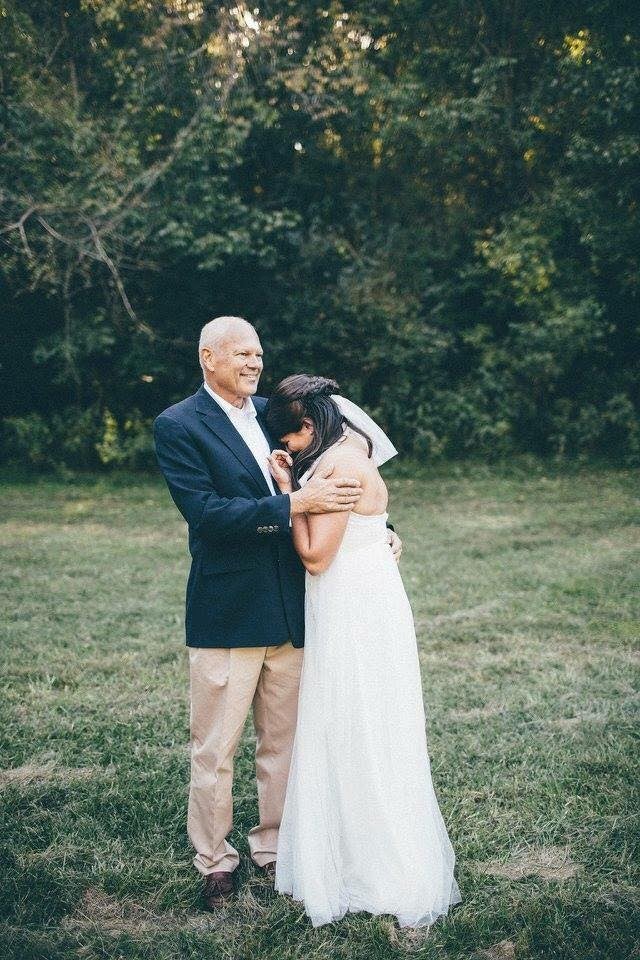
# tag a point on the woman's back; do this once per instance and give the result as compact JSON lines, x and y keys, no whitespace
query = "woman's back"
{"x":351,"y":455}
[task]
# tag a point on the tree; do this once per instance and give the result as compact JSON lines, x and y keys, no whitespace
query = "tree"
{"x":435,"y":203}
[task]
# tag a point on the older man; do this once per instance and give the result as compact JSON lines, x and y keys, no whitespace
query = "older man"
{"x":245,"y":593}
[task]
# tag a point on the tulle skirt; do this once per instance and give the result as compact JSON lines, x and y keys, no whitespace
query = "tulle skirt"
{"x":361,"y":827}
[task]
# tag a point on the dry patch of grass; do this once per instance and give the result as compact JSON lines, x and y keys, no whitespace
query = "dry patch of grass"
{"x":479,"y":713}
{"x":505,"y":950}
{"x":488,"y":521}
{"x":101,"y":910}
{"x":51,"y":772}
{"x":480,"y":611}
{"x":571,"y":724}
{"x":409,"y":939}
{"x":548,"y":863}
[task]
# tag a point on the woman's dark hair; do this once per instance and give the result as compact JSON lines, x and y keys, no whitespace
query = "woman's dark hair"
{"x":303,"y":396}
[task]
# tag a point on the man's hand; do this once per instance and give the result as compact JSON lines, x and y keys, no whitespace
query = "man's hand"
{"x":326,"y":494}
{"x":395,"y":543}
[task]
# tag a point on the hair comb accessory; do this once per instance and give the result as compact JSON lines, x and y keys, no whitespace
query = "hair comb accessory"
{"x":320,"y":387}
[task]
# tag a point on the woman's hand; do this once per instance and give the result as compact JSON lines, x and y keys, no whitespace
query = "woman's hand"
{"x":280,"y":464}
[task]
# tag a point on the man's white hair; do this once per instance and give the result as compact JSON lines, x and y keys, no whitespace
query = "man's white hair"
{"x":219,"y":331}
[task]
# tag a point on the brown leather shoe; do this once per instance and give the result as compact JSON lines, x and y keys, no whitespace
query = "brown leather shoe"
{"x":218,"y":889}
{"x":269,"y":870}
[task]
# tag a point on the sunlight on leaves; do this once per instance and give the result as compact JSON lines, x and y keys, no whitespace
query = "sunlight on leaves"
{"x":577,"y":45}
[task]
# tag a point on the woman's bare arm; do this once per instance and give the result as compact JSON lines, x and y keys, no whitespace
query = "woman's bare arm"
{"x":316,"y":537}
{"x":318,"y":541}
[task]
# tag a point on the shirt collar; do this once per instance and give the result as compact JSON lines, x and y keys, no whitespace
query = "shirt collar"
{"x":247,"y":410}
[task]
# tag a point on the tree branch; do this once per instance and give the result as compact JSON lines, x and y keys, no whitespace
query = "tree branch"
{"x":106,"y":259}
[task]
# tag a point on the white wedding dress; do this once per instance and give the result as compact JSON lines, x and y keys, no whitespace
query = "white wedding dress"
{"x":361,"y":827}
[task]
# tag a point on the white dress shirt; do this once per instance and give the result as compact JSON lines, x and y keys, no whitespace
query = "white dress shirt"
{"x":244,"y":419}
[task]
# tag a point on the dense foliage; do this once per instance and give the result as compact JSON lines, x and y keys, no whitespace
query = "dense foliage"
{"x":434,"y":202}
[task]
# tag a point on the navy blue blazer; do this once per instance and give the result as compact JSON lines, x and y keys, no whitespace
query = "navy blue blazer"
{"x":246,"y":584}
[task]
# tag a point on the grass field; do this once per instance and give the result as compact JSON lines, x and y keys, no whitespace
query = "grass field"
{"x":525,"y":589}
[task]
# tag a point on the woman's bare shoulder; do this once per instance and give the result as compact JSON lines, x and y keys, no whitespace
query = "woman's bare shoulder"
{"x":349,"y":457}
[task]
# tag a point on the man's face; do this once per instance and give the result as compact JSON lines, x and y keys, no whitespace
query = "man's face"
{"x":233,"y":369}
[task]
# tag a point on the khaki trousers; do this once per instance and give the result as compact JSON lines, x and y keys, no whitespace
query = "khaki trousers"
{"x":224,"y":684}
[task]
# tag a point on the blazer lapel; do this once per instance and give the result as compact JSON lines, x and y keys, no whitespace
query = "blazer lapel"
{"x":273,"y":445}
{"x":217,"y":421}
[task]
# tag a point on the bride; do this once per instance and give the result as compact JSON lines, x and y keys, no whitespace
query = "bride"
{"x":361,"y":827}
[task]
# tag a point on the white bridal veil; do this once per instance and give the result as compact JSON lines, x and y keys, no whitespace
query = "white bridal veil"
{"x":383,"y":449}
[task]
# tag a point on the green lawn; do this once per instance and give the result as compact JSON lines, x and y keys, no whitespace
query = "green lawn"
{"x":525,"y":589}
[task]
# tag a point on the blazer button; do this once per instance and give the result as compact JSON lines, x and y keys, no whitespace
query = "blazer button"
{"x":270,"y":529}
{"x":260,"y":529}
{"x":276,"y":528}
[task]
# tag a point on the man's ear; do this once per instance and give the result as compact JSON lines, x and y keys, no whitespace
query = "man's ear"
{"x":206,"y":355}
{"x":306,"y":422}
